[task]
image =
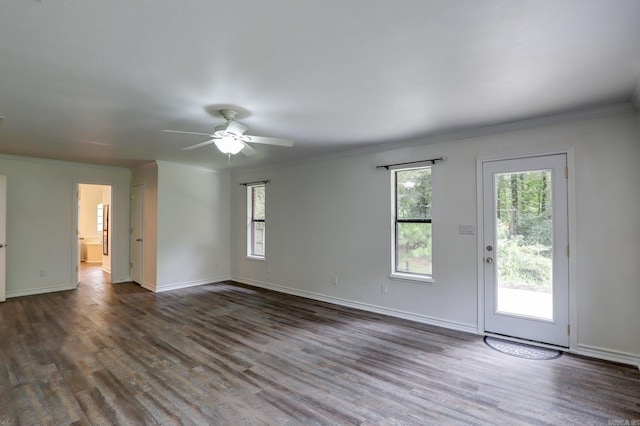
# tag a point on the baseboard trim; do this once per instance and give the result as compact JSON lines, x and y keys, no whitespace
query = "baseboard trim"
{"x":148,"y":286}
{"x":608,"y":354}
{"x":107,"y":270}
{"x":467,"y":328}
{"x":40,"y":290}
{"x":186,"y":284}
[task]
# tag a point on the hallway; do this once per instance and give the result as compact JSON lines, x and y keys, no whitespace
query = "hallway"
{"x":92,"y":274}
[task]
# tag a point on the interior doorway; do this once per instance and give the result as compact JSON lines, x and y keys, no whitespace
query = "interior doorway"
{"x":94,"y":229}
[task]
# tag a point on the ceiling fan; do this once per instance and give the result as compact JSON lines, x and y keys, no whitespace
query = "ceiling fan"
{"x":230,"y":139}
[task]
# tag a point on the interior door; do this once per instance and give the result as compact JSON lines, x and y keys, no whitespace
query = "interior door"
{"x":3,"y":236}
{"x":137,"y":219}
{"x":79,"y":236}
{"x":525,"y":253}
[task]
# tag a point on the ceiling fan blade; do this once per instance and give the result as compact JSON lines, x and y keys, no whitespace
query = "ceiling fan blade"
{"x":269,"y":141}
{"x":236,"y":128}
{"x":248,"y":151}
{"x":198,"y":145}
{"x":187,"y":133}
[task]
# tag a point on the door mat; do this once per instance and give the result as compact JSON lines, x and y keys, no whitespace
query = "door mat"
{"x":521,"y":350}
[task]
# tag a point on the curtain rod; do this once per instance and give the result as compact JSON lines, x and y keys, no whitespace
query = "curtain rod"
{"x":254,"y":183}
{"x":431,"y":160}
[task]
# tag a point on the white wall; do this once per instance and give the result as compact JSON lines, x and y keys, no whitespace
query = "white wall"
{"x":186,"y":225}
{"x":331,"y":217}
{"x":41,"y":208}
{"x":193,"y":226}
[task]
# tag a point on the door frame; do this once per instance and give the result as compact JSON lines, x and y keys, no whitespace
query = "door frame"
{"x":75,"y":268}
{"x":571,"y":214}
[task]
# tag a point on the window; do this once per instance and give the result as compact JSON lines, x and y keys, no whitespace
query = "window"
{"x":255,"y":220}
{"x":100,"y":217}
{"x":412,"y":228}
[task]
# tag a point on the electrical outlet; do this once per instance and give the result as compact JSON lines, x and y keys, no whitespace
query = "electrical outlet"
{"x":384,"y":288}
{"x":334,"y":280}
{"x":268,"y":269}
{"x":43,"y":273}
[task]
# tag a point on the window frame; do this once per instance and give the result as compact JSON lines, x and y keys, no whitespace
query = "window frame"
{"x":251,"y":221}
{"x":395,"y":273}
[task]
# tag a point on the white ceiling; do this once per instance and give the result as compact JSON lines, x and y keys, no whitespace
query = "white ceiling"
{"x":97,"y":80}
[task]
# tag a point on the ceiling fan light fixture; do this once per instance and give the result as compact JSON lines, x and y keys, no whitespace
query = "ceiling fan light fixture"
{"x":230,"y":139}
{"x":229,"y":145}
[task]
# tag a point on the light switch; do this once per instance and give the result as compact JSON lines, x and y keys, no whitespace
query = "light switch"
{"x":466,"y":230}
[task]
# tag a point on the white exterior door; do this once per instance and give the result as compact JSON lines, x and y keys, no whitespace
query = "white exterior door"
{"x":3,"y":236}
{"x":525,"y":250}
{"x":137,"y":221}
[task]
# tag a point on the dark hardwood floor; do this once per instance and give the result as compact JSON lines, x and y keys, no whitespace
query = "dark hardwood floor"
{"x":226,"y":354}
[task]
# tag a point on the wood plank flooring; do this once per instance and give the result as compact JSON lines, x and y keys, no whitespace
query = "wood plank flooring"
{"x":227,"y":354}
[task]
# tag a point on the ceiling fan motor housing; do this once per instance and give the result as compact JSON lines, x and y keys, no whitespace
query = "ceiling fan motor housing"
{"x":228,"y":114}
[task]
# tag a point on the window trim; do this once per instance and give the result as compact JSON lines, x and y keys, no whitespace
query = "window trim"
{"x":395,"y":274}
{"x":251,"y":221}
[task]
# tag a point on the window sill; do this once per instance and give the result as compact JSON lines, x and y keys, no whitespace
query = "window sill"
{"x":261,"y":258}
{"x":413,"y":278}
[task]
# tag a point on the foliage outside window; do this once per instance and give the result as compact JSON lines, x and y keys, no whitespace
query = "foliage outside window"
{"x":524,"y":230}
{"x":256,"y":220}
{"x":412,"y":227}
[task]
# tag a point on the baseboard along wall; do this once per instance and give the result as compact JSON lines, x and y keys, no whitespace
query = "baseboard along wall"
{"x":584,"y":350}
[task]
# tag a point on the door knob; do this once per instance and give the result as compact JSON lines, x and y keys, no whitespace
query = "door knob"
{"x":1,"y":245}
{"x":489,"y":260}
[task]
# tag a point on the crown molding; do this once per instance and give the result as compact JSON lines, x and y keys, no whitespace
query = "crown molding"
{"x":60,"y":162}
{"x":457,"y":134}
{"x":189,"y":166}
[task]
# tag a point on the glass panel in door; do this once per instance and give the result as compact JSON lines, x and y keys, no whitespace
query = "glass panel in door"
{"x":524,"y":242}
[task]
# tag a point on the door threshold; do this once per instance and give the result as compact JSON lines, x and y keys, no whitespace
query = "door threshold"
{"x":526,"y":342}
